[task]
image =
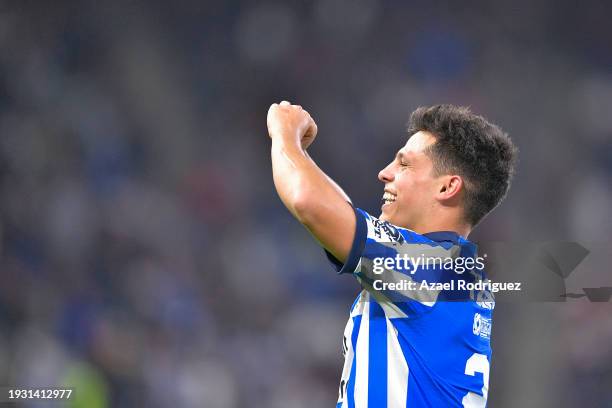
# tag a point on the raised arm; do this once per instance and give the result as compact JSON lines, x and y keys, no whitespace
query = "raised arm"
{"x":309,"y":194}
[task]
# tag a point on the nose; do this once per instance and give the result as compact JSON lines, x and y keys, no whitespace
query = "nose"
{"x":386,"y":174}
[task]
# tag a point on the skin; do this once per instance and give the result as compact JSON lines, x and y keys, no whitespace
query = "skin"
{"x":425,"y":202}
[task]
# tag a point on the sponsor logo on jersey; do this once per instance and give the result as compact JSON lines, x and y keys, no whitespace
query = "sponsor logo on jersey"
{"x":482,"y":326}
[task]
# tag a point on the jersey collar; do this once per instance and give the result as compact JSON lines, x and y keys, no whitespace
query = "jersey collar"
{"x":439,"y":236}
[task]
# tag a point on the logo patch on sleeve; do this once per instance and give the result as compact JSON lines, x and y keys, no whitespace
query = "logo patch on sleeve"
{"x":482,"y":326}
{"x":385,"y":231}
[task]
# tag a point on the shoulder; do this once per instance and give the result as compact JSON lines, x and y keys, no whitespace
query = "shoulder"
{"x":384,"y":231}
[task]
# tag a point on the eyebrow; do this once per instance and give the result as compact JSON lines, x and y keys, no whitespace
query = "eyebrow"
{"x":399,"y":155}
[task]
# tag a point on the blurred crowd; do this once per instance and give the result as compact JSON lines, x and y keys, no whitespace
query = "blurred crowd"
{"x":145,"y":257}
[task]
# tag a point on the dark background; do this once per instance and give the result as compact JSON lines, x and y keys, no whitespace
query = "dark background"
{"x":145,"y":257}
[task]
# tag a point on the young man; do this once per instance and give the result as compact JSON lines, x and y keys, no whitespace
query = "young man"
{"x":406,"y":346}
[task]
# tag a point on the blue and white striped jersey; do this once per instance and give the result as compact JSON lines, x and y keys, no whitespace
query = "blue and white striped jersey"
{"x":413,"y":348}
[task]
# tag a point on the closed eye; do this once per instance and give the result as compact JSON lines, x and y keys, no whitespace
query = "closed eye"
{"x":402,"y":160}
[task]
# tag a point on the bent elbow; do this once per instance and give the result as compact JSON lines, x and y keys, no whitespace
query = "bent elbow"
{"x":303,"y":207}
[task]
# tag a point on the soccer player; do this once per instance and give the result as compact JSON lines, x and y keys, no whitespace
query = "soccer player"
{"x":405,"y":348}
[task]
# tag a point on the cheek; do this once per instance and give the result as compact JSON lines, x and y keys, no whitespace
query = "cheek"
{"x":424,"y":182}
{"x":411,"y":183}
{"x":415,"y":190}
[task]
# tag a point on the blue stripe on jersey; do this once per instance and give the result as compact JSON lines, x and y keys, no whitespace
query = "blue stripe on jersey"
{"x":377,"y":359}
{"x":350,"y":386}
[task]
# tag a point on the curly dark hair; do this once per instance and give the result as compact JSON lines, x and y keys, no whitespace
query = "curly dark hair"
{"x":471,"y":147}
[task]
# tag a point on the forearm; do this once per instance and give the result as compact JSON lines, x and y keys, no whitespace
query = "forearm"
{"x":301,"y":184}
{"x":312,"y":197}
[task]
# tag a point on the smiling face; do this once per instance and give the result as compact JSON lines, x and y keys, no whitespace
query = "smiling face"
{"x":410,"y":183}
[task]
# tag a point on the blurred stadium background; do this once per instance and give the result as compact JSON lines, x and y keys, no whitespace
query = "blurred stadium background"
{"x":145,"y":257}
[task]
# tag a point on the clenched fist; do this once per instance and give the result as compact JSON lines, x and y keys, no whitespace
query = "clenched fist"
{"x":291,"y":123}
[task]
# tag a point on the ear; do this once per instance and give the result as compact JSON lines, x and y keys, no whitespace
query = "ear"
{"x":449,"y":188}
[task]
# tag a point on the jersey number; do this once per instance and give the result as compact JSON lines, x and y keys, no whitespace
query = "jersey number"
{"x":478,"y":363}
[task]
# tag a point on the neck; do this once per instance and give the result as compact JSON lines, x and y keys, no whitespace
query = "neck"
{"x":442,"y":224}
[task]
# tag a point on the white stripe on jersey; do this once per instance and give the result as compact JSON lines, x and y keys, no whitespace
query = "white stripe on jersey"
{"x":363,"y":347}
{"x":397,"y":370}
